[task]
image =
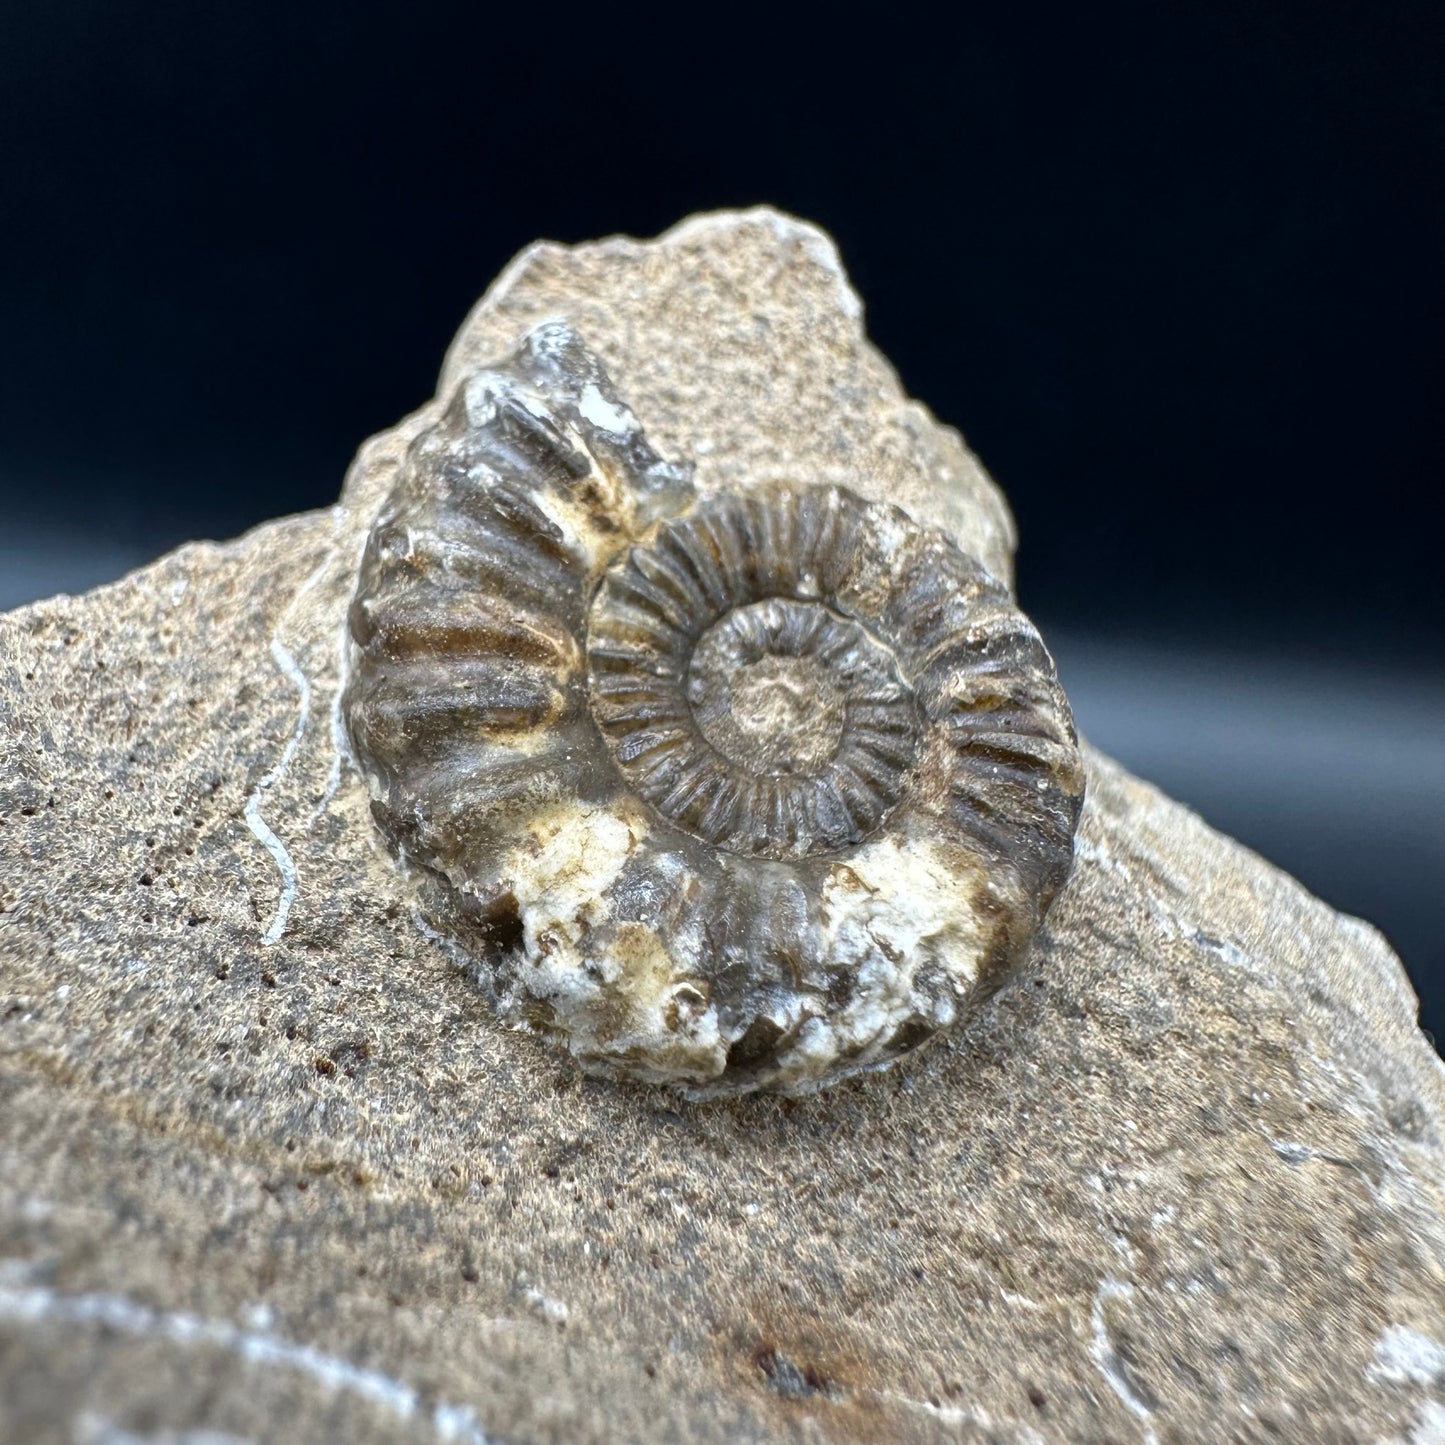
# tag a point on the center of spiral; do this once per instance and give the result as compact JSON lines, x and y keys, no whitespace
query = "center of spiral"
{"x":773,"y":714}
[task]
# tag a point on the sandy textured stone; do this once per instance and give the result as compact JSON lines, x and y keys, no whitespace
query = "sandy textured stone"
{"x":268,"y":1167}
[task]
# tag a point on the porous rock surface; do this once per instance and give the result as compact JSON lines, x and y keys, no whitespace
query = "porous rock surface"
{"x":270,"y":1170}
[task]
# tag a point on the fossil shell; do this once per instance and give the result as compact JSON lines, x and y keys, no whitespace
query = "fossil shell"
{"x":731,"y":791}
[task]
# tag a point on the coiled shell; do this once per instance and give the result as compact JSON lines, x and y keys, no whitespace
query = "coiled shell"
{"x":737,"y":791}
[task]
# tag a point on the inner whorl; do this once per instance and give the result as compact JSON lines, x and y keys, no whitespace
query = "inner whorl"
{"x":740,"y":694}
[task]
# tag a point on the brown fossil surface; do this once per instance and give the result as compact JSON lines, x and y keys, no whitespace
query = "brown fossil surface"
{"x":271,"y":1168}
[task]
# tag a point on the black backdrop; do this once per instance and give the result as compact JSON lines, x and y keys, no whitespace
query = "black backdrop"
{"x":1178,"y":271}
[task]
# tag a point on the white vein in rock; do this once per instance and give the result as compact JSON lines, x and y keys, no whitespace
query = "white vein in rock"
{"x":257,"y":824}
{"x":286,"y":661}
{"x":1106,"y":1357}
{"x":35,"y":1304}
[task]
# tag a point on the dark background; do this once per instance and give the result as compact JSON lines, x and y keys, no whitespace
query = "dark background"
{"x":1177,"y":271}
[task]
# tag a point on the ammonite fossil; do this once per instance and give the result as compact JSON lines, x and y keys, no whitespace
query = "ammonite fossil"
{"x":743,"y":790}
